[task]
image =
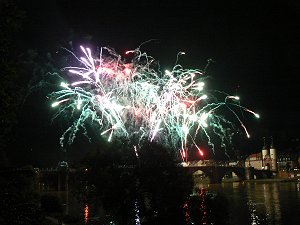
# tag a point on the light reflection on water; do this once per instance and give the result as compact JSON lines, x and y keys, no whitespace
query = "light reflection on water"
{"x":203,"y":205}
{"x":136,"y":213}
{"x":249,"y":203}
{"x":261,"y":203}
{"x":86,"y":213}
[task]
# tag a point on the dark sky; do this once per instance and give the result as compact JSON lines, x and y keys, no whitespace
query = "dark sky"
{"x":254,"y":45}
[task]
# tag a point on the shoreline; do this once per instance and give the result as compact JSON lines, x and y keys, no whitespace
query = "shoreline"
{"x":265,"y":180}
{"x":274,"y":180}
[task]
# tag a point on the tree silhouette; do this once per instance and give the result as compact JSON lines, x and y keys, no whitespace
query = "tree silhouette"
{"x":149,"y":180}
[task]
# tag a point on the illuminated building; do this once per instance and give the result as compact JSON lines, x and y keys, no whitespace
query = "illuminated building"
{"x":266,"y":159}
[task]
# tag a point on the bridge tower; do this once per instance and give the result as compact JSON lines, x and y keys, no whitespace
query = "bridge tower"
{"x":273,"y":155}
{"x":62,"y":176}
{"x":264,"y":150}
{"x":265,"y":157}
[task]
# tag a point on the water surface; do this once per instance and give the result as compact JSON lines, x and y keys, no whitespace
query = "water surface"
{"x":260,"y":202}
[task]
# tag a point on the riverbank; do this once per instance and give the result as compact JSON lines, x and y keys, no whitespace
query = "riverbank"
{"x":233,"y":180}
{"x":275,"y":180}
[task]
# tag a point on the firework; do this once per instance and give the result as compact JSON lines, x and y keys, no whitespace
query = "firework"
{"x":138,"y":101}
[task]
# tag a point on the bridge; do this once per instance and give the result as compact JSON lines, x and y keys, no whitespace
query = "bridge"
{"x":215,"y":173}
{"x":57,"y":179}
{"x":53,"y":179}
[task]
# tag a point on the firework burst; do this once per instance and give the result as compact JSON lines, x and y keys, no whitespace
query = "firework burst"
{"x":137,"y":101}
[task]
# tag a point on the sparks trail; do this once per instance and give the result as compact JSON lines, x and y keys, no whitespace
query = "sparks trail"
{"x":136,"y":101}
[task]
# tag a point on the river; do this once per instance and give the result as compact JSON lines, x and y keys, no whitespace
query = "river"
{"x":248,"y":203}
{"x":260,"y":202}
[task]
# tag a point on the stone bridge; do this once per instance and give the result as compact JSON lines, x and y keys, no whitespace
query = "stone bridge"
{"x":216,"y":173}
{"x":58,"y":179}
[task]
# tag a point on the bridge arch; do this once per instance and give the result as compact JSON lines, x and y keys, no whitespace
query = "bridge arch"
{"x":216,"y":173}
{"x":231,"y":175}
{"x":238,"y":171}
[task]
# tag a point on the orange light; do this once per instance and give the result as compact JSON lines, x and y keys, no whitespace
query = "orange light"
{"x":86,"y":213}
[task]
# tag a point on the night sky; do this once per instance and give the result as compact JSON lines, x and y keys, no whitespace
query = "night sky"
{"x":254,"y":46}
